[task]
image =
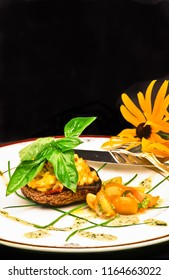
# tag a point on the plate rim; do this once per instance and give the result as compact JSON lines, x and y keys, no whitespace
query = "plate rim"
{"x":76,"y":249}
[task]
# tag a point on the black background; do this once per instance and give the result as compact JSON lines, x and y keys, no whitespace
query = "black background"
{"x":62,"y":59}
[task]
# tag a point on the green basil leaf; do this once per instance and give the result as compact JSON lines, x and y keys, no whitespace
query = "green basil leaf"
{"x":45,"y":153}
{"x":23,"y":174}
{"x":32,"y":150}
{"x":76,"y":126}
{"x":59,"y":152}
{"x":66,"y":144}
{"x":64,"y":168}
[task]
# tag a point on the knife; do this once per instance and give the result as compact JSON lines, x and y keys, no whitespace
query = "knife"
{"x":102,"y":156}
{"x":106,"y":157}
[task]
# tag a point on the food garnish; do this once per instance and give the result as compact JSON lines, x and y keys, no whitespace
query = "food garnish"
{"x":85,"y":221}
{"x":150,"y":121}
{"x":115,"y":197}
{"x":58,"y":152}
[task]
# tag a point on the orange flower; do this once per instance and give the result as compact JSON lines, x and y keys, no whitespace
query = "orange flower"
{"x":150,"y":122}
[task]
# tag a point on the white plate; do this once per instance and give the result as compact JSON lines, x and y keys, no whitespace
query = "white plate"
{"x":13,"y":233}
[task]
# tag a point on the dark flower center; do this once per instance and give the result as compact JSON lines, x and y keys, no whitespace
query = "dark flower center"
{"x":143,"y":130}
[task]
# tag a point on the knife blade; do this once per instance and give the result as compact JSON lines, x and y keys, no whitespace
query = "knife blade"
{"x":106,"y":157}
{"x":102,"y":156}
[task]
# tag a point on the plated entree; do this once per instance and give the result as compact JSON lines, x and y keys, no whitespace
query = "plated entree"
{"x":50,"y":173}
{"x":108,"y":197}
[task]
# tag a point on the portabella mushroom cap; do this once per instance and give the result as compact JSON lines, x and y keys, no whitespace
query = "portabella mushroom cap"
{"x":63,"y":198}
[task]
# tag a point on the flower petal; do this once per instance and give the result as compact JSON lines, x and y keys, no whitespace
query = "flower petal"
{"x":126,"y":136}
{"x":112,"y":143}
{"x":134,"y":110}
{"x":129,"y":116}
{"x":166,"y":104}
{"x":156,"y":148}
{"x":128,"y":131}
{"x":156,"y":138}
{"x":141,"y":101}
{"x":159,"y":101}
{"x":148,"y":101}
{"x":158,"y":125}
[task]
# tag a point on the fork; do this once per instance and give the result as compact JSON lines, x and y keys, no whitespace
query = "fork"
{"x":148,"y":160}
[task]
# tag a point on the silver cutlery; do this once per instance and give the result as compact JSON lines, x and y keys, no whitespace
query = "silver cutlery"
{"x":127,"y":157}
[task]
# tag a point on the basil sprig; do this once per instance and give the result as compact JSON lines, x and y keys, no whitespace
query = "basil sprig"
{"x":59,"y":152}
